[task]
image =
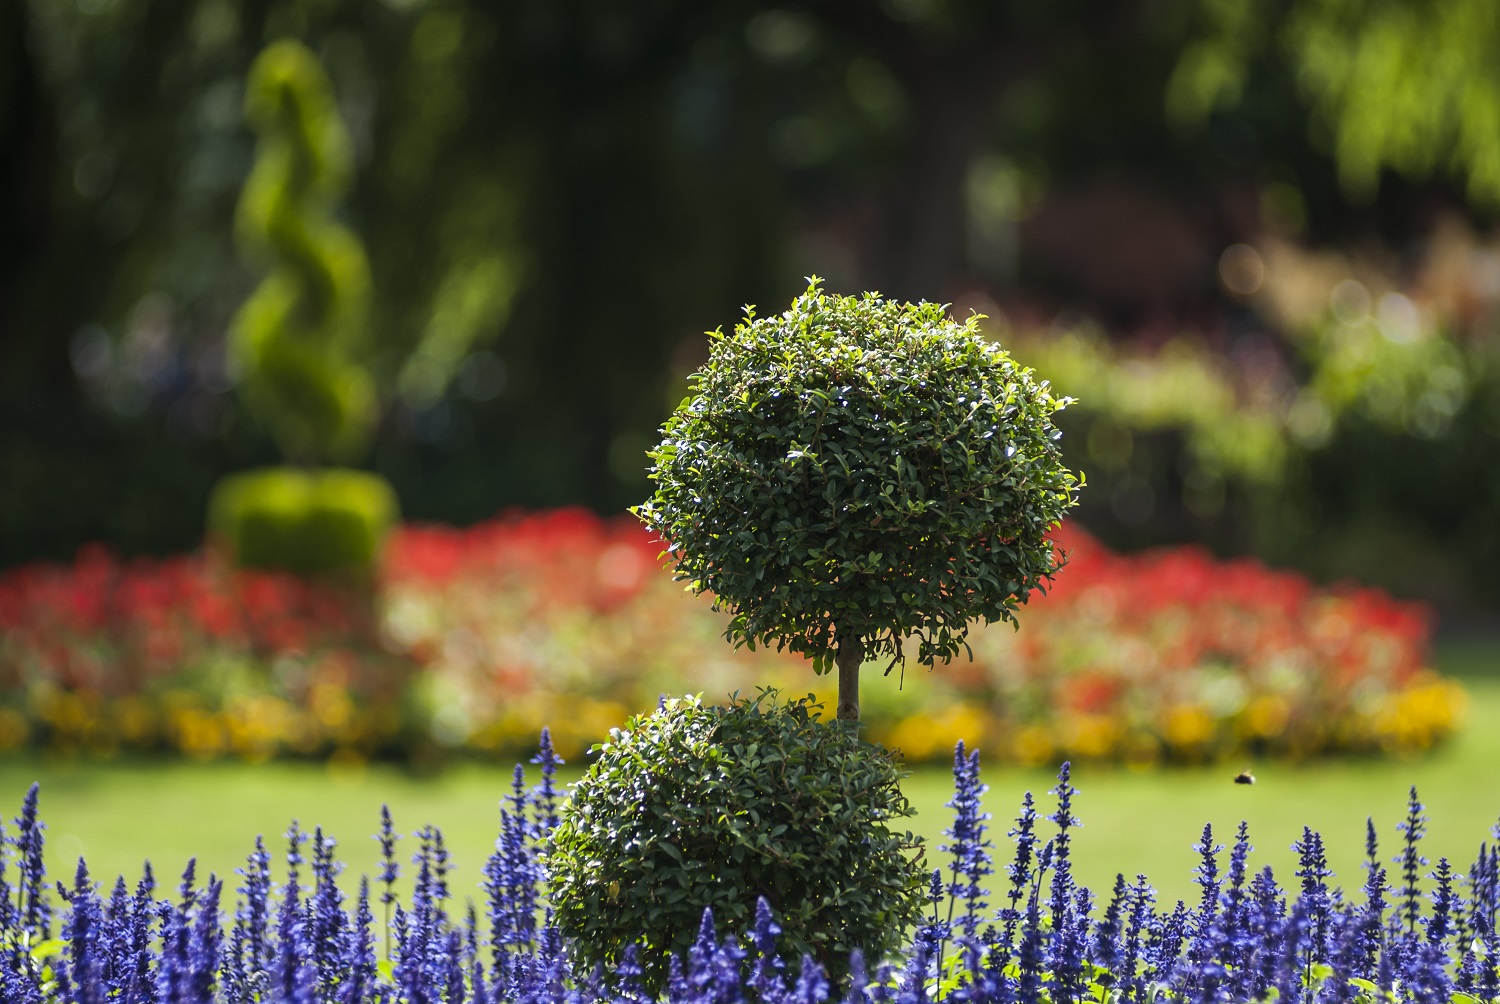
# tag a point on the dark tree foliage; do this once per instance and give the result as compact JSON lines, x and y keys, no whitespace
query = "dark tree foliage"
{"x":556,"y":200}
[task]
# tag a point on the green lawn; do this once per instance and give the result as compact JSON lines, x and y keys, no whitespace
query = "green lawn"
{"x":117,"y":814}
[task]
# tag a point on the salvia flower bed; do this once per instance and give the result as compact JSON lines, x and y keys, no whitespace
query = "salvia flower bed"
{"x":473,"y":638}
{"x":1018,"y":932}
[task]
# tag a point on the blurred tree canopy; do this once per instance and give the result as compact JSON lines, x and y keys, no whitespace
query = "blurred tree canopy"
{"x":558,"y":198}
{"x":1402,"y":84}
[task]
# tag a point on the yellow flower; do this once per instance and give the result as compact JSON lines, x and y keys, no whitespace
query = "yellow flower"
{"x":13,"y":729}
{"x":1266,"y":716}
{"x":1188,"y":726}
{"x":1090,"y":735}
{"x":1032,"y":745}
{"x":913,"y":736}
{"x":200,"y":734}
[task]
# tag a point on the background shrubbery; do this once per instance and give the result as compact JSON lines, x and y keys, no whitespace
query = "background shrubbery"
{"x":550,"y":225}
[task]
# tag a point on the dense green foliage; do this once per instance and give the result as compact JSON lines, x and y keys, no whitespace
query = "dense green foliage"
{"x":861,"y":470}
{"x":695,"y":806}
{"x":304,"y":521}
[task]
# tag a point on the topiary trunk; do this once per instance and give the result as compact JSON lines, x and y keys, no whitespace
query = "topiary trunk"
{"x":850,"y":657}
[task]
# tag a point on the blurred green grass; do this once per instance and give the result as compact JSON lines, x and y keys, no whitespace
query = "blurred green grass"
{"x":117,"y":814}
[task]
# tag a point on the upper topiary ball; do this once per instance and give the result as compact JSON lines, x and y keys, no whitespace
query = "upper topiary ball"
{"x":855,"y":471}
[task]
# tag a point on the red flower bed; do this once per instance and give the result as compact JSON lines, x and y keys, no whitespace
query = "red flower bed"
{"x":474,"y":638}
{"x":189,"y":654}
{"x":1177,"y":654}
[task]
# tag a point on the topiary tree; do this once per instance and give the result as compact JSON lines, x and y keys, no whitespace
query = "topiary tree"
{"x":695,"y":807}
{"x":856,"y":471}
{"x":295,"y":338}
{"x":296,"y":335}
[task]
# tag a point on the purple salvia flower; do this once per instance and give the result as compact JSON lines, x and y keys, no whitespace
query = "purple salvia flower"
{"x":698,"y":966}
{"x":1372,"y":918}
{"x":431,"y":887}
{"x":422,"y":893}
{"x":1206,"y":875}
{"x":629,"y":972}
{"x":1019,"y":872}
{"x":407,"y":969}
{"x":289,"y":921}
{"x":1312,"y":869}
{"x":1291,"y":976}
{"x":142,"y":989}
{"x":1481,"y":885}
{"x":708,"y":938}
{"x":252,"y":916}
{"x":1029,"y":955}
{"x":8,"y":917}
{"x":914,"y":979}
{"x":1267,"y":912}
{"x":425,"y":945}
{"x":766,"y":974}
{"x":678,"y":988}
{"x":1078,"y":931}
{"x":1062,"y":843}
{"x":453,"y":976}
{"x":727,"y":985}
{"x":885,"y":980}
{"x":510,"y":878}
{"x":1234,"y":916}
{"x":1067,"y":965}
{"x":359,"y":952}
{"x":481,"y":993}
{"x":1413,"y":827}
{"x":185,"y":887}
{"x":204,"y":949}
{"x":389,"y":869}
{"x":471,"y":934}
{"x":858,"y":979}
{"x":115,"y":941}
{"x":969,"y":848}
{"x":87,"y":959}
{"x":812,"y":983}
{"x":325,"y":915}
{"x":175,"y":973}
{"x":1166,"y":945}
{"x":1425,"y":975}
{"x":1445,"y":907}
{"x":1487,"y":986}
{"x":1140,"y":900}
{"x":545,"y":804}
{"x":1106,"y":948}
{"x":18,"y":987}
{"x":1348,"y":947}
{"x":934,"y":933}
{"x":32,"y":911}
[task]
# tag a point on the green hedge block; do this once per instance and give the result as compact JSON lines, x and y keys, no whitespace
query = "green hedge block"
{"x":304,"y":521}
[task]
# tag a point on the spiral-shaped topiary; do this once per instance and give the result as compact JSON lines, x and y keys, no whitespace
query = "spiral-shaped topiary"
{"x":295,"y":336}
{"x":857,"y":471}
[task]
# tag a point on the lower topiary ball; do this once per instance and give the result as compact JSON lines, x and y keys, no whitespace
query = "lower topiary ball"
{"x":698,"y":806}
